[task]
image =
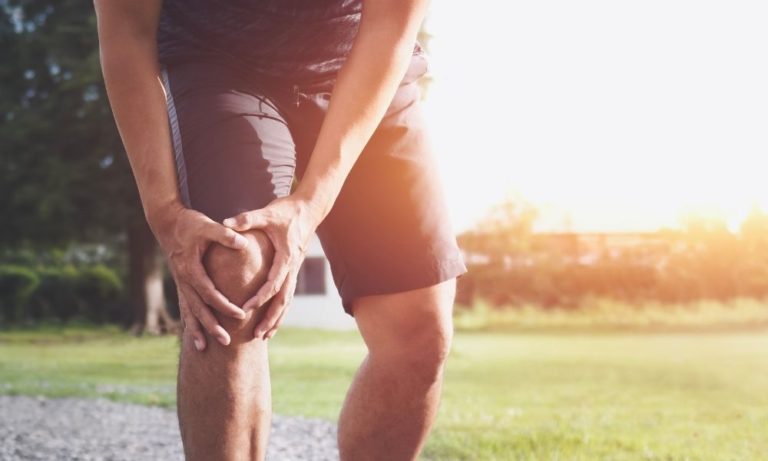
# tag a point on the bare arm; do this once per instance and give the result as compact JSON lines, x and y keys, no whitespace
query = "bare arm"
{"x":364,"y":88}
{"x":128,"y":55}
{"x":128,"y":52}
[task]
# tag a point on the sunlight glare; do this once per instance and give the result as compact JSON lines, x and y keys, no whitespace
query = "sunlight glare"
{"x":613,"y":115}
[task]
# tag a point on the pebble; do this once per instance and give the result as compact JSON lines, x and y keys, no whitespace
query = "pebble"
{"x":69,"y":429}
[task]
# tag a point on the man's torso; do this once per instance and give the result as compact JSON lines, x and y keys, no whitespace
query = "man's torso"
{"x":304,"y":40}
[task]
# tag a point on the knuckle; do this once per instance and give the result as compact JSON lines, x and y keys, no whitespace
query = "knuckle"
{"x":209,"y":324}
{"x":203,"y":301}
{"x":193,"y":326}
{"x":206,"y":294}
{"x":231,"y":236}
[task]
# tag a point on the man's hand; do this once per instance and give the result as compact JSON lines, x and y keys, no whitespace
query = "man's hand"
{"x":289,"y":222}
{"x":184,"y":235}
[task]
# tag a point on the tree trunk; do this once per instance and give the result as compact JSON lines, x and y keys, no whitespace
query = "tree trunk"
{"x":150,"y":312}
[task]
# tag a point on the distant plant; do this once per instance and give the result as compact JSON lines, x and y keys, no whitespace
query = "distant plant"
{"x":17,"y":284}
{"x":510,"y":264}
{"x":60,"y":293}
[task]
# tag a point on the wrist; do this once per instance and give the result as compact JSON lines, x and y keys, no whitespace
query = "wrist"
{"x":315,"y":202}
{"x":161,"y":216}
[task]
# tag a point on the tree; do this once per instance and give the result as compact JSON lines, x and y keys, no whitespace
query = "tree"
{"x":64,"y":175}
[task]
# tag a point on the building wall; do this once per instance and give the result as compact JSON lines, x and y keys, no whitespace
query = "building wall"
{"x":319,"y":310}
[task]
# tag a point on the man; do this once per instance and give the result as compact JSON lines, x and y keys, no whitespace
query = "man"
{"x":220,"y":105}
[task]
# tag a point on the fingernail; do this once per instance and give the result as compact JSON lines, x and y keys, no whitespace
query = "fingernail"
{"x":198,"y":344}
{"x":241,"y":314}
{"x":241,"y":241}
{"x":260,"y":334}
{"x":229,"y":222}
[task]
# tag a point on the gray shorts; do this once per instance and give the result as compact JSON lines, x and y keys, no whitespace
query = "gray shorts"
{"x":240,"y":141}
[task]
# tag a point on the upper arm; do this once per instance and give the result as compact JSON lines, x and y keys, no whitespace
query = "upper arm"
{"x":400,"y":17}
{"x":402,"y":11}
{"x":138,"y":18}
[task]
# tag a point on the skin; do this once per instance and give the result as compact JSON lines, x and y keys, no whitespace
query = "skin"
{"x":252,"y":259}
{"x":224,"y":392}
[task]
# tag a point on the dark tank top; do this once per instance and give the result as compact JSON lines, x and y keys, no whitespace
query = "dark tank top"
{"x":305,"y":41}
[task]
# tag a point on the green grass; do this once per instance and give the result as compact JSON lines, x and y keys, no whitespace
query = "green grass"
{"x":531,"y":396}
{"x":606,"y":314}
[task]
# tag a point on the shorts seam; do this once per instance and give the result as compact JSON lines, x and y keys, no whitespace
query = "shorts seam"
{"x":173,"y":121}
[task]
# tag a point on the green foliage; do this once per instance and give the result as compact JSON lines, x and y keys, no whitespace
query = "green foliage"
{"x":17,"y":284}
{"x":63,"y":172}
{"x":98,"y":287}
{"x":61,"y":293}
{"x":703,"y":260}
{"x":57,"y":295}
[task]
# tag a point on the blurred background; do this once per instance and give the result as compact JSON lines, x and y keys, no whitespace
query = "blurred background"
{"x":604,"y":163}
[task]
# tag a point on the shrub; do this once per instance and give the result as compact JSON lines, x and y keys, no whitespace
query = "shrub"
{"x":17,"y":284}
{"x":57,"y":296}
{"x":98,"y":287}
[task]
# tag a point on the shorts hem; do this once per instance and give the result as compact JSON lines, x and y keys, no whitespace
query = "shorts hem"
{"x":442,"y":270}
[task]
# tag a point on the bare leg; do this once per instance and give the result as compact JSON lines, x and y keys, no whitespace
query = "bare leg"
{"x":224,"y":394}
{"x":392,"y":403}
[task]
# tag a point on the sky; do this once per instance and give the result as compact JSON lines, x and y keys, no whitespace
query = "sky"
{"x":607,"y":115}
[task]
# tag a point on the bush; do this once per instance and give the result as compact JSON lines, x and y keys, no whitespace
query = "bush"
{"x":98,"y":288}
{"x":17,"y":284}
{"x":60,"y":293}
{"x":57,"y":296}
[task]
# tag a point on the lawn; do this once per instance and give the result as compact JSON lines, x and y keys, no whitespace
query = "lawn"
{"x":546,"y":395}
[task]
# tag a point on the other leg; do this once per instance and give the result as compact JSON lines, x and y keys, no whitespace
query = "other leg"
{"x":392,"y":403}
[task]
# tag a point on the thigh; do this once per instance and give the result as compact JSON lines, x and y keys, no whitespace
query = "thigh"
{"x":232,"y":147}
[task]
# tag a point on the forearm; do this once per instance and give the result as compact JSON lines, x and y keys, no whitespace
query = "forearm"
{"x":364,"y":89}
{"x":136,"y":95}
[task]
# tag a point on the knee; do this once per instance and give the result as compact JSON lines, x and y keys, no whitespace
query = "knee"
{"x":428,"y":351}
{"x":239,"y":273}
{"x":423,"y":343}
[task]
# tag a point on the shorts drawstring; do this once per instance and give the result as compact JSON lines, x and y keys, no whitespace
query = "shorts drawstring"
{"x":296,"y":95}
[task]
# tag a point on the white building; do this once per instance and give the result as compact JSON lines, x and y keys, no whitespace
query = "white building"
{"x":317,"y":303}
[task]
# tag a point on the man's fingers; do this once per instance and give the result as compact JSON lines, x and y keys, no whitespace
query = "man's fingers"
{"x":205,"y":288}
{"x":267,"y":326}
{"x":191,"y":323}
{"x":196,"y":331}
{"x":272,"y":331}
{"x":245,"y":221}
{"x":268,"y":320}
{"x":275,"y":280}
{"x":208,"y":320}
{"x":226,"y":236}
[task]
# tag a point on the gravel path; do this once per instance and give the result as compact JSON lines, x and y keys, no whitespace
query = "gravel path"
{"x":68,"y":429}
